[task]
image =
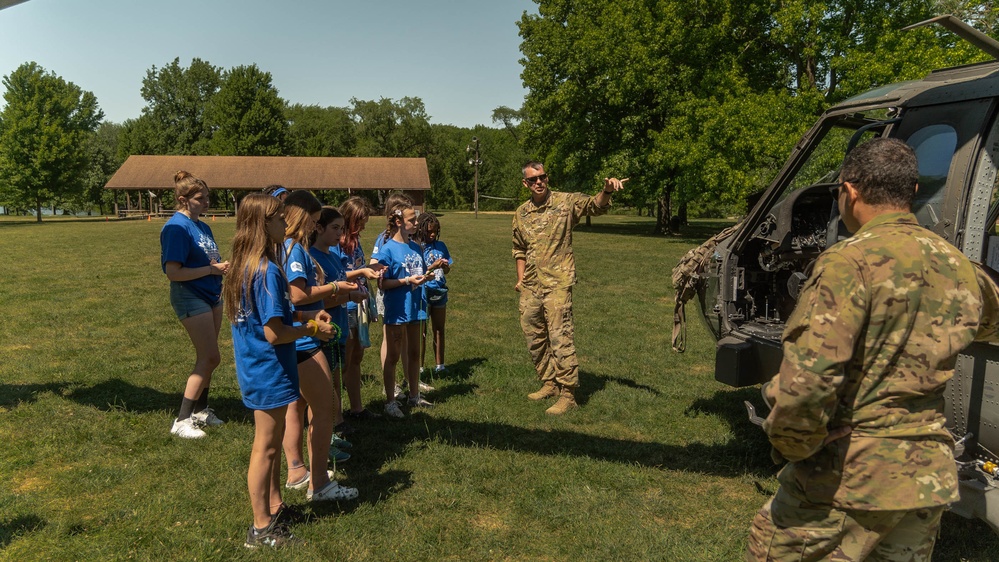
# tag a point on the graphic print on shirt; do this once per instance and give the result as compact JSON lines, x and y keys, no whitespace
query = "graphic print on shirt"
{"x":413,"y":264}
{"x":433,"y":256}
{"x":207,"y":245}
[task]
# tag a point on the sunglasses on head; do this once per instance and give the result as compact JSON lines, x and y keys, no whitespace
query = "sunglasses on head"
{"x":536,"y":179}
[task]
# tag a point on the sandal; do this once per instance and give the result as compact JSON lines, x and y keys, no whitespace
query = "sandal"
{"x":303,"y":483}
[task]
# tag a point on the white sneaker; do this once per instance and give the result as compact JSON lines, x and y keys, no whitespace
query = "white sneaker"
{"x":207,"y":417}
{"x":424,"y":387}
{"x":393,"y":410}
{"x":401,"y":392}
{"x":420,"y":402}
{"x":187,"y":429}
{"x":333,"y":492}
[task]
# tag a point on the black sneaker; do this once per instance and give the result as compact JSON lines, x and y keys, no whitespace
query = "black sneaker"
{"x":274,"y":535}
{"x":364,"y":414}
{"x":344,"y":428}
{"x":289,"y":514}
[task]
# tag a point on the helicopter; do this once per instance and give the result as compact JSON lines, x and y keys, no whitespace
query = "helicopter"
{"x":747,"y":279}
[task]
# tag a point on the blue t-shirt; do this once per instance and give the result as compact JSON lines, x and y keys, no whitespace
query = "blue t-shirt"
{"x":192,"y":244}
{"x":299,"y":265}
{"x":431,"y":253}
{"x":402,"y":304}
{"x":334,"y":271}
{"x":379,"y":241}
{"x":351,"y":263}
{"x":267,"y":374}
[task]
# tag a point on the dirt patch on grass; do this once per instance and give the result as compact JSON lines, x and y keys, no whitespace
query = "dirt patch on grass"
{"x":490,"y":522}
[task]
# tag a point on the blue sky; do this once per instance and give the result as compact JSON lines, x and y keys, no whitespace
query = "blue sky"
{"x":459,"y":57}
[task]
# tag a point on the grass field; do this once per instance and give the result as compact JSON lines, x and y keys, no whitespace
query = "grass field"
{"x":660,"y":463}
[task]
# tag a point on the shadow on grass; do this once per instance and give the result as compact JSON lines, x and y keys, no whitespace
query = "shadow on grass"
{"x":18,"y":526}
{"x":116,"y":394}
{"x":694,"y":233}
{"x":590,"y":384}
{"x":970,"y":540}
{"x":12,"y":395}
{"x":729,"y":406}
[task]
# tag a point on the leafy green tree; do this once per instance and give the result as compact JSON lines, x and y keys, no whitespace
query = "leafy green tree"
{"x":173,"y":120}
{"x":247,"y":115}
{"x":389,"y":128}
{"x":105,"y":160}
{"x":699,"y":102}
{"x":44,"y":128}
{"x":319,"y":131}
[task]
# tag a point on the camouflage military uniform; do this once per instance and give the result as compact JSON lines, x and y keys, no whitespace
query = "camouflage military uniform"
{"x":871,"y":344}
{"x":542,"y":237}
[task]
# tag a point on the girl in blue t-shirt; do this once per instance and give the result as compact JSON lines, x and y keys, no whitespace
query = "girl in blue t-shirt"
{"x":192,"y":262}
{"x":435,"y":253}
{"x":264,"y":331}
{"x":307,"y":292}
{"x":355,"y":211}
{"x":329,"y":227}
{"x":404,"y":272}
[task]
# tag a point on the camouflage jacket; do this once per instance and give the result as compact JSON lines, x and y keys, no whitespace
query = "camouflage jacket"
{"x":871,"y":344}
{"x":542,"y":237}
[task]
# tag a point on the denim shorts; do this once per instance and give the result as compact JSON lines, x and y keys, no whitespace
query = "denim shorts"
{"x":187,"y":304}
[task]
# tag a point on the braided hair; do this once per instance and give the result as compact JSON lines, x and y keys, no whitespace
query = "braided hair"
{"x":424,"y":224}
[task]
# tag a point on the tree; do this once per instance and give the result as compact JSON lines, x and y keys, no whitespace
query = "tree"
{"x":388,"y":128}
{"x":44,"y":129}
{"x":319,"y":131}
{"x":105,"y":160}
{"x":173,"y":121}
{"x":247,"y":115}
{"x":699,"y":102}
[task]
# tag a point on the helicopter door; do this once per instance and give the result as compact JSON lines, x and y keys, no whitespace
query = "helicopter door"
{"x":946,"y":140}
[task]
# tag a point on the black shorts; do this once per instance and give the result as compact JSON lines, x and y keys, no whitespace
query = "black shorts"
{"x":304,"y":356}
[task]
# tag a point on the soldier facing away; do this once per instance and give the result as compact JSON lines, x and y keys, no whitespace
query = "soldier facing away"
{"x":546,"y":272}
{"x":858,"y":402}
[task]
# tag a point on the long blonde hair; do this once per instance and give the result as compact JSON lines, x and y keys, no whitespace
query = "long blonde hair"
{"x":251,"y":250}
{"x":299,"y":207}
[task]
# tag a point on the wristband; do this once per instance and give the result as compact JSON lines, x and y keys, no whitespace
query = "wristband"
{"x":608,"y":192}
{"x":335,"y":288}
{"x":315,"y":327}
{"x":405,"y":280}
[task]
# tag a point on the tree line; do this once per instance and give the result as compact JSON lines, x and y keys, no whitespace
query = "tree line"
{"x":699,"y":102}
{"x":57,"y":151}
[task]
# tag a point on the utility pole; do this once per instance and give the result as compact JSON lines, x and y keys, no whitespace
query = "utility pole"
{"x":474,"y":160}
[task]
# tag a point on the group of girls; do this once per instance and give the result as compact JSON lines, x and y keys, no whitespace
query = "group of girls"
{"x":296,"y":298}
{"x":407,"y":270}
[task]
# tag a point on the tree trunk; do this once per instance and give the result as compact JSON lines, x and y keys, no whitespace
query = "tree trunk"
{"x":38,"y":211}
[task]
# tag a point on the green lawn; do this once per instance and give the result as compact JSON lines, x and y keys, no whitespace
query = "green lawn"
{"x":660,"y":463}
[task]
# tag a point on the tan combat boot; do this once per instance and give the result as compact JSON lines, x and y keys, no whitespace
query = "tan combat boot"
{"x":547,"y":391}
{"x":566,"y":401}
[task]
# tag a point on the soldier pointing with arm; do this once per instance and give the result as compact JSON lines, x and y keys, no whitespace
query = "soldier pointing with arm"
{"x":546,"y":272}
{"x":858,"y":403}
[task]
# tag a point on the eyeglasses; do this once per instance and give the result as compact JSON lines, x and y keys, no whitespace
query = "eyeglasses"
{"x":834,"y":190}
{"x":535,"y":179}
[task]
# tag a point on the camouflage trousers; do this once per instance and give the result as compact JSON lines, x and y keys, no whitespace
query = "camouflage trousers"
{"x":785,"y":529}
{"x":547,"y":324}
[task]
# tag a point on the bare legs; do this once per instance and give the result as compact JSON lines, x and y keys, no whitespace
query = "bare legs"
{"x":316,"y":385}
{"x":203,"y":330}
{"x":352,"y":371}
{"x":438,"y":316}
{"x":403,"y":340}
{"x":262,"y":477}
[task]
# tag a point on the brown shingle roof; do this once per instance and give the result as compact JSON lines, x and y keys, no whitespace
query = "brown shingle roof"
{"x":257,"y":172}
